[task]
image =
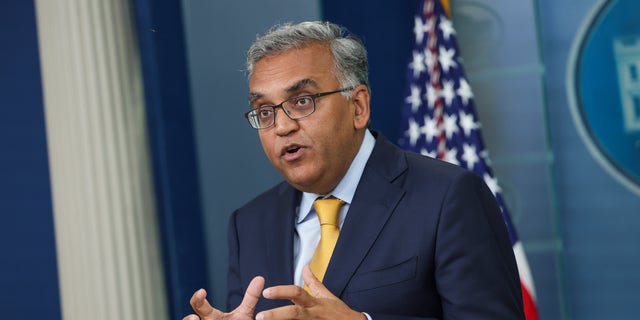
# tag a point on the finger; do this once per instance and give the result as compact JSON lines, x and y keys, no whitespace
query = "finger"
{"x":201,"y":306}
{"x":316,"y":287}
{"x":251,"y":296}
{"x":191,"y":317}
{"x":291,"y":292}
{"x":286,"y":312}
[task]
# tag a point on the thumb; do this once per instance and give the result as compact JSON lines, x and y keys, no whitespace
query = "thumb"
{"x":316,"y":288}
{"x":201,"y":306}
{"x":251,"y":296}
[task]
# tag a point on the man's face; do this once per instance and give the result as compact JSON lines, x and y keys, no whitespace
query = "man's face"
{"x":315,"y":152}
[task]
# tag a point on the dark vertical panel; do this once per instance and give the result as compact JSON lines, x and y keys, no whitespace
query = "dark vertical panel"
{"x":170,"y":127}
{"x":385,"y":27}
{"x":28,"y":270}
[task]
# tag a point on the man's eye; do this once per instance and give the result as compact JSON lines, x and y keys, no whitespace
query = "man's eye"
{"x":265,"y":112}
{"x":303,"y":101}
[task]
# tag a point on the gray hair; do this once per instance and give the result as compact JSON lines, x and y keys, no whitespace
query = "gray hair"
{"x":349,"y":54}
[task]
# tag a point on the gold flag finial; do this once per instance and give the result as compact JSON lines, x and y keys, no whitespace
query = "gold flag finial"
{"x":447,"y":7}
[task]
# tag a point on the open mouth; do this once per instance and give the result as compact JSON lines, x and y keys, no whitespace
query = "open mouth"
{"x":293,"y":150}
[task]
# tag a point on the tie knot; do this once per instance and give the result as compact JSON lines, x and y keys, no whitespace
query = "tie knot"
{"x":327,"y":210}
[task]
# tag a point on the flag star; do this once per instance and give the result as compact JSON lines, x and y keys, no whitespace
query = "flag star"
{"x":430,"y":128}
{"x":431,"y":95}
{"x":451,"y":156}
{"x":464,"y":91}
{"x":414,"y":98}
{"x":492,"y":183}
{"x":468,"y":123}
{"x":450,"y":126}
{"x":417,"y":64}
{"x":446,"y":27}
{"x":469,"y":155}
{"x":445,"y":57}
{"x":425,"y":152}
{"x":413,"y":132}
{"x":419,"y":29}
{"x":447,"y":92}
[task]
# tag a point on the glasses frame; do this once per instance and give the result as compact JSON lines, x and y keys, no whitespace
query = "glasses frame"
{"x":313,"y":98}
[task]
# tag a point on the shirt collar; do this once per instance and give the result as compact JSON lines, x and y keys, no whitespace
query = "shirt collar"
{"x":346,"y":188}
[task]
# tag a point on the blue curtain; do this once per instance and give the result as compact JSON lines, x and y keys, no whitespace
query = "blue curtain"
{"x":172,"y":147}
{"x":28,"y":263}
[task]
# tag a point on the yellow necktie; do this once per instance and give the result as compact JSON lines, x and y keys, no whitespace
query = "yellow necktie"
{"x":328,"y":214}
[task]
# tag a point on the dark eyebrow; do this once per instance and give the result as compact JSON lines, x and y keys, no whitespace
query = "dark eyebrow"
{"x":301,"y":84}
{"x":253,"y":96}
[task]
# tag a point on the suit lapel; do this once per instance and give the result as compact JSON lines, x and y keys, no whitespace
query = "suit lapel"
{"x":373,"y":204}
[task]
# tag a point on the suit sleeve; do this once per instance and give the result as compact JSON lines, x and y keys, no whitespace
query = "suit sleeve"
{"x":476,"y":273}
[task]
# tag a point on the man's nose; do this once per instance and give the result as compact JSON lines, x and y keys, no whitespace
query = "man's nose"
{"x":283,"y":124}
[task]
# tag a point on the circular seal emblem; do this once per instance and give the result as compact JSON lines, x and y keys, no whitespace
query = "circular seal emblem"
{"x":603,"y":84}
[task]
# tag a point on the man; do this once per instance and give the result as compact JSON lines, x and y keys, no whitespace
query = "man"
{"x":418,"y":238}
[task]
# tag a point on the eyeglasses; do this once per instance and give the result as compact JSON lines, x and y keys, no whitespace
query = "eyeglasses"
{"x":295,"y":108}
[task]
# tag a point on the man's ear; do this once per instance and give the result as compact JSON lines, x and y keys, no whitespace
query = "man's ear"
{"x":362,"y":109}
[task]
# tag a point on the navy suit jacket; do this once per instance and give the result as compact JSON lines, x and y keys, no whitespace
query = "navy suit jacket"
{"x":423,"y":239}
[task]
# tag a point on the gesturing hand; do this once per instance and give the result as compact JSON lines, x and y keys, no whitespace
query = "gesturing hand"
{"x":244,"y":311}
{"x":320,"y":304}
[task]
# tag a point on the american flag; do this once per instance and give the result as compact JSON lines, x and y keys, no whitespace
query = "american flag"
{"x":440,"y":121}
